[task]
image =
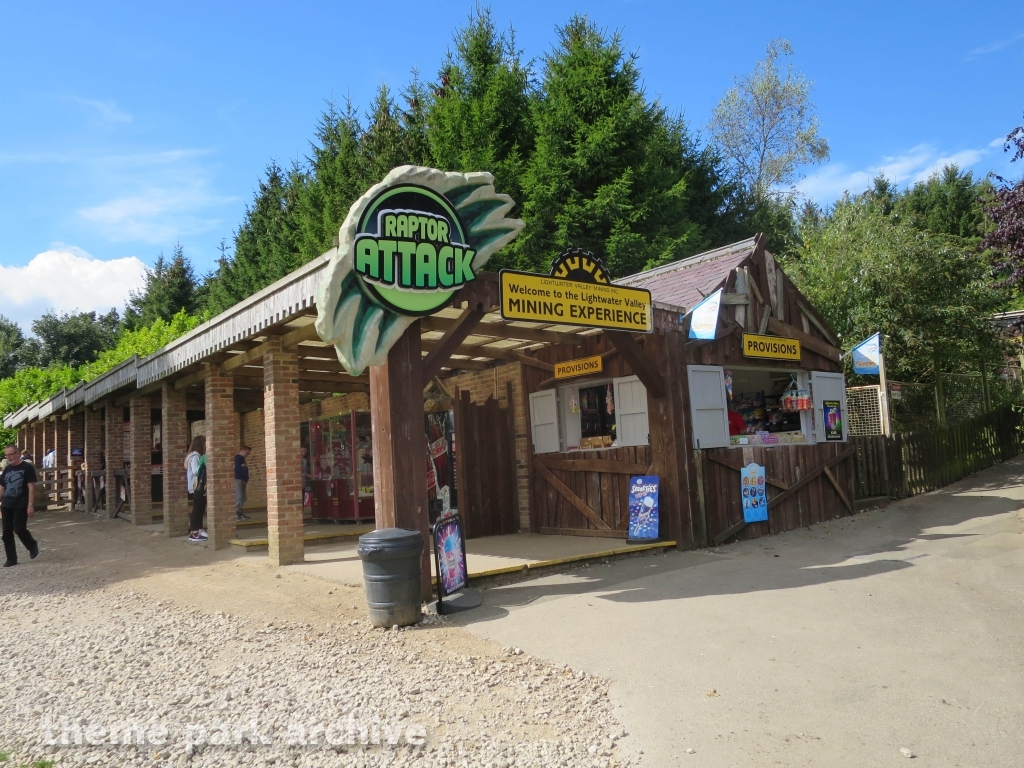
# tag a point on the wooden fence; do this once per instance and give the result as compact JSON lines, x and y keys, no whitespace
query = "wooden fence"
{"x":917,"y":462}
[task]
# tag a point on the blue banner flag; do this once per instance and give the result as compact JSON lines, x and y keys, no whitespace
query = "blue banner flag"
{"x":704,"y":317}
{"x":866,"y":355}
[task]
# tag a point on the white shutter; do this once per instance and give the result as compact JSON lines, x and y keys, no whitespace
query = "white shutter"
{"x":709,"y":407}
{"x":572,"y":423}
{"x":544,"y":421}
{"x":631,"y":426}
{"x":828,"y":386}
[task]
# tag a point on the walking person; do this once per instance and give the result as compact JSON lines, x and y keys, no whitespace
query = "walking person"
{"x":241,"y":478}
{"x":196,"y":457}
{"x":195,"y":522}
{"x":17,"y":505}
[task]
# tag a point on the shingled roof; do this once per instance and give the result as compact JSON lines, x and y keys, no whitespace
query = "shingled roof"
{"x":682,"y":284}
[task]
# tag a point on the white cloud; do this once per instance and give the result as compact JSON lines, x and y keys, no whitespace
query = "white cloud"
{"x":108,"y":110}
{"x":65,"y":280}
{"x":998,"y":45}
{"x":916,"y":164}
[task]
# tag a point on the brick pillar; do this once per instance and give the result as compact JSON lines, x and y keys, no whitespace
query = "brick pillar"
{"x":46,"y":442}
{"x":22,"y":437}
{"x":174,"y":427}
{"x":141,"y":459}
{"x":60,"y":441}
{"x":221,"y":446}
{"x":113,"y":448}
{"x":93,"y":447}
{"x":37,"y":442}
{"x":284,"y":464}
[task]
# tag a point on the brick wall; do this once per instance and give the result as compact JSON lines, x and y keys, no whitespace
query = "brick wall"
{"x":281,"y":448}
{"x":174,"y":437}
{"x":355,"y":401}
{"x":221,"y":446}
{"x":493,"y":383}
{"x":141,"y":455}
{"x":94,"y":439}
{"x":252,"y":434}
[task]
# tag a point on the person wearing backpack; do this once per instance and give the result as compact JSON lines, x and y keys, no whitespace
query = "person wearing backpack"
{"x":195,"y":479}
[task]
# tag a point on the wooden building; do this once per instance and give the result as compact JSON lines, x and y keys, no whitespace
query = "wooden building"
{"x":530,"y":455}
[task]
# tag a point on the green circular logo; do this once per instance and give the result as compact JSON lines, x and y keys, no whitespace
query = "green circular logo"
{"x":411,"y":253}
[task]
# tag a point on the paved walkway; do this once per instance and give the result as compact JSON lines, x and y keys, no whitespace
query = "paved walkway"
{"x":838,"y":645}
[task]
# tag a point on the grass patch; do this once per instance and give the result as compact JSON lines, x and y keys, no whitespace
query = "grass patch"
{"x":5,"y":757}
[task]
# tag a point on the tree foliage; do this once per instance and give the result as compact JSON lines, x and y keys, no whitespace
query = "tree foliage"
{"x":171,"y":286}
{"x":868,"y":268}
{"x":71,"y":338}
{"x":765,"y":126}
{"x":1005,"y":210}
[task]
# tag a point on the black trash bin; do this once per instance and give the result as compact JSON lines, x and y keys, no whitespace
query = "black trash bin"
{"x":391,"y":575}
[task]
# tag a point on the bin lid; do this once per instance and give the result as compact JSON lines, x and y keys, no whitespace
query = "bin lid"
{"x":392,"y":539}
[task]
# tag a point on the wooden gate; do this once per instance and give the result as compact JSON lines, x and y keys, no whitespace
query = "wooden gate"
{"x":587,"y":494}
{"x":485,"y":467}
{"x":807,"y":484}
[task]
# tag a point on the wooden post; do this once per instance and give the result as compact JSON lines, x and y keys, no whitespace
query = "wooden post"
{"x":399,"y":461}
{"x":883,"y":397}
{"x":940,"y":399}
{"x":985,"y":396}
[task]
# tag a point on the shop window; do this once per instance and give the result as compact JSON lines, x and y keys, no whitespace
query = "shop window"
{"x":601,"y":414}
{"x":761,"y":406}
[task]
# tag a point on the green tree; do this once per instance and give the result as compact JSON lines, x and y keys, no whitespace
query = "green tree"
{"x":171,"y":286}
{"x":74,"y":338}
{"x":948,"y":203}
{"x":611,"y":172}
{"x":480,"y":117}
{"x":12,"y":347}
{"x":930,"y":294}
{"x":765,"y":126}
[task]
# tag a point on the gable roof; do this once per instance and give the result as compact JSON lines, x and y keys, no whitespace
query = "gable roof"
{"x":684,"y":283}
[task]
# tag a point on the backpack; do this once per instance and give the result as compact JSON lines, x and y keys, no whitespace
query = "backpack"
{"x":200,"y":489}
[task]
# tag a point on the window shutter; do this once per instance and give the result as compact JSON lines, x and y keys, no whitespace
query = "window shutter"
{"x":572,"y":423}
{"x":828,"y":386}
{"x":544,"y":421}
{"x":631,"y":425}
{"x":709,"y":407}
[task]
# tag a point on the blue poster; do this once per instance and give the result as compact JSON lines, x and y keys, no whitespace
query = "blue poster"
{"x":866,"y":355}
{"x":754,"y":492}
{"x":704,"y":317}
{"x":643,"y":508}
{"x":450,"y":554}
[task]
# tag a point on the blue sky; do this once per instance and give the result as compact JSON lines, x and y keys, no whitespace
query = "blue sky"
{"x":127,"y":127}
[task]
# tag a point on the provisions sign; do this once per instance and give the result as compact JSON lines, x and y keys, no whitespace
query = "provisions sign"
{"x":545,"y":299}
{"x":771,"y":347}
{"x":580,"y":367}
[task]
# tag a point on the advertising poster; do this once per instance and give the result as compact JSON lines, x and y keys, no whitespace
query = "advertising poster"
{"x":754,"y":492}
{"x":866,"y":355}
{"x":704,"y":319}
{"x":450,"y":555}
{"x":644,"y":518}
{"x":833,"y":415}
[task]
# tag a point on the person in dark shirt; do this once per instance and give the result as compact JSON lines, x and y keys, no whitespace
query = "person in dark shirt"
{"x":17,"y":504}
{"x":241,"y":478}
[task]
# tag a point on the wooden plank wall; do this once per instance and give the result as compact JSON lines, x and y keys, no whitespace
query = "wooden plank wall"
{"x":815,"y":502}
{"x":602,"y":486}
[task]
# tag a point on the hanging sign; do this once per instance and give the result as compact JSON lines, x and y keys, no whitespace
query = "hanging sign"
{"x":833,"y":420}
{"x":754,"y":490}
{"x":896,"y":391}
{"x":644,"y":518}
{"x":577,"y":292}
{"x":580,"y":367}
{"x":704,"y":317}
{"x":450,"y":556}
{"x":771,"y":347}
{"x":866,"y":355}
{"x":405,"y":248}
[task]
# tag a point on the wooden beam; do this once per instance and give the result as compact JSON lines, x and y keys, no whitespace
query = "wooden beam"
{"x":505,"y":331}
{"x":571,"y":497}
{"x":734,"y":298}
{"x":638,"y":361}
{"x":587,"y":532}
{"x":809,"y":476}
{"x":729,"y":532}
{"x":527,"y":360}
{"x":256,"y":353}
{"x":446,"y":346}
{"x":818,"y":322}
{"x":299,"y":335}
{"x":765,"y":319}
{"x":593,"y":465}
{"x":466,"y":365}
{"x":193,"y":378}
{"x":839,"y":490}
{"x":823,"y":348}
{"x":777,"y":483}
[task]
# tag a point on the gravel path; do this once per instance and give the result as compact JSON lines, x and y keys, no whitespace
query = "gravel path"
{"x":102,"y":674}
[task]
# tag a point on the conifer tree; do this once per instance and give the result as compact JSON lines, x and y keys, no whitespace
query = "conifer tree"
{"x":170,"y":287}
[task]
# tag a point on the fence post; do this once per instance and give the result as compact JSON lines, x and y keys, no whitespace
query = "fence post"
{"x":940,"y":399}
{"x":985,"y":398}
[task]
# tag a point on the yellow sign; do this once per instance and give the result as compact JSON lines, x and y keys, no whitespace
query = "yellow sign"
{"x":580,"y":367}
{"x":771,"y":347}
{"x":543,"y":299}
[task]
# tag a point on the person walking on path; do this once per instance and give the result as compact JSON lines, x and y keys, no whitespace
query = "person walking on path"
{"x":17,"y":505}
{"x":195,"y":457}
{"x":241,"y":478}
{"x":195,"y":522}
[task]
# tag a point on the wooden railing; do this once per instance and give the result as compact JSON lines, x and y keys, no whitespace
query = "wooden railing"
{"x":917,"y":462}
